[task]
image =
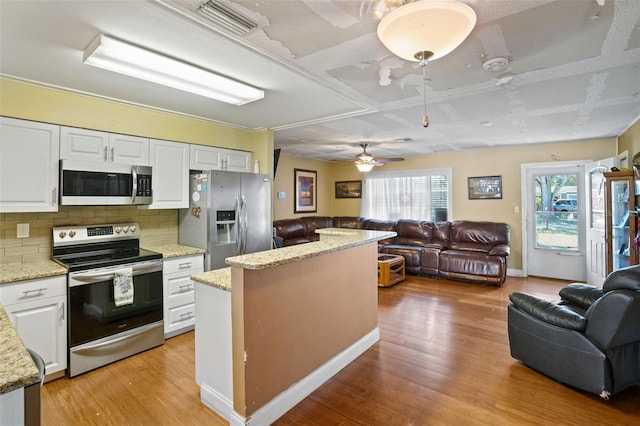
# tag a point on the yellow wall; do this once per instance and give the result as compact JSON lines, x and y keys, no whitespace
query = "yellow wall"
{"x":32,"y":102}
{"x":630,"y":140}
{"x":283,"y":182}
{"x":503,"y":161}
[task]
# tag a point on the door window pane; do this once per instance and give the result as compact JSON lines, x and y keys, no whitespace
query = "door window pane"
{"x":556,"y":212}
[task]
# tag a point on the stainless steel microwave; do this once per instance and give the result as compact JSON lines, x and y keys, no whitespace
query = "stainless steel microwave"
{"x":88,"y":183}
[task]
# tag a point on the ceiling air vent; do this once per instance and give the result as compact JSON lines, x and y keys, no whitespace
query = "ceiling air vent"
{"x":225,"y":17}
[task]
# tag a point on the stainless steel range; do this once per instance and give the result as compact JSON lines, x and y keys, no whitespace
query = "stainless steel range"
{"x":114,"y":293}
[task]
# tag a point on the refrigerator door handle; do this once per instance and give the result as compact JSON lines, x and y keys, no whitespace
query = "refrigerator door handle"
{"x":238,"y":225}
{"x":243,"y":225}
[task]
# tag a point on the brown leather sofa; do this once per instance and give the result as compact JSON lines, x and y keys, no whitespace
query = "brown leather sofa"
{"x":460,"y":250}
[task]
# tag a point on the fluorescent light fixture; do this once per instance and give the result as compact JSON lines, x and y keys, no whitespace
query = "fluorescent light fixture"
{"x":115,"y":55}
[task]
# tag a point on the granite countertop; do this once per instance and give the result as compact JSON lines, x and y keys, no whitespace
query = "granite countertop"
{"x":12,"y":272}
{"x":219,"y":278}
{"x":17,"y":369}
{"x":175,"y":250}
{"x":339,"y":239}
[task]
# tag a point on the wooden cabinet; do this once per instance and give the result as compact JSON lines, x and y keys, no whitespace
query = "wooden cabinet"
{"x":179,"y":294}
{"x":93,"y":145}
{"x":621,"y":220}
{"x":170,"y":164}
{"x":37,"y":309}
{"x":29,"y":153}
{"x":212,"y":158}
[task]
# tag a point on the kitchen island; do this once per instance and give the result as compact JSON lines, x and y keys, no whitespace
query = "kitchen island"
{"x":277,"y":324}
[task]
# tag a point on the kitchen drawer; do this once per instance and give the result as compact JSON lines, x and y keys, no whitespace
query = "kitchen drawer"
{"x":179,"y":287}
{"x":184,"y":264}
{"x":30,"y":290}
{"x":181,"y":316}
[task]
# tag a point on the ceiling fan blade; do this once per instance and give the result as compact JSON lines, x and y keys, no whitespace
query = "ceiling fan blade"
{"x":388,"y":160}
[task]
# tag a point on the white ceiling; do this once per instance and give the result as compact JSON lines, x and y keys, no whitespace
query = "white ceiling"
{"x":330,"y":84}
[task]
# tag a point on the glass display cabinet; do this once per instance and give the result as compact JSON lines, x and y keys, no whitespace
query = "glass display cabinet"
{"x":621,"y":220}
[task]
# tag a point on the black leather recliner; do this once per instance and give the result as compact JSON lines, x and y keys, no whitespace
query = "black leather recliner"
{"x":590,"y":340}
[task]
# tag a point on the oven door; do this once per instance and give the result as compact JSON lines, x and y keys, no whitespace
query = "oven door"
{"x":93,"y":313}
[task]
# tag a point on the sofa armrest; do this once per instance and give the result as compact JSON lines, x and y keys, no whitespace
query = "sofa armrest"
{"x":548,"y":312}
{"x":500,"y":250}
{"x":582,"y":295}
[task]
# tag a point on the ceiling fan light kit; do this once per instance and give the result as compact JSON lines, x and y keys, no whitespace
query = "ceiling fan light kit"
{"x":426,"y":30}
{"x":436,"y":26}
{"x":118,"y":56}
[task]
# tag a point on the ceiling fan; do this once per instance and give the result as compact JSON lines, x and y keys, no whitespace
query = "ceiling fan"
{"x":365,"y":161}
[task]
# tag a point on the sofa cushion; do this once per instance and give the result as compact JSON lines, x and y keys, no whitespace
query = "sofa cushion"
{"x":290,"y":228}
{"x":478,"y":236}
{"x":317,"y":222}
{"x":348,"y":222}
{"x":413,"y":232}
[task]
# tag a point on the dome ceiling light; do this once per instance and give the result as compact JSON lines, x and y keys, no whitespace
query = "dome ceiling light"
{"x":434,"y":26}
{"x":426,"y":30}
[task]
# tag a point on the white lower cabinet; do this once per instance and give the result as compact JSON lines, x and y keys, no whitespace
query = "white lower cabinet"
{"x":179,"y":295}
{"x":37,"y":309}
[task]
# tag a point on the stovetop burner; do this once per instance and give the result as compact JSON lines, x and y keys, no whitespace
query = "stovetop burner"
{"x":99,"y":246}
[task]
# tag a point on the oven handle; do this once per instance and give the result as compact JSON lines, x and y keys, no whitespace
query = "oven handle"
{"x":104,"y":274}
{"x":111,"y":342}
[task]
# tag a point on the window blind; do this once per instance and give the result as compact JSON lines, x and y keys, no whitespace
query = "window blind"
{"x":407,"y":194}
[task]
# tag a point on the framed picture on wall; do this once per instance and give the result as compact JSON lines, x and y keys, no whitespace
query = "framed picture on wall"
{"x":349,"y":189}
{"x":485,"y":188}
{"x":306,"y":190}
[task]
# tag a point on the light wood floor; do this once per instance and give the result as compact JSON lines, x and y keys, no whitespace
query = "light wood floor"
{"x":443,"y":359}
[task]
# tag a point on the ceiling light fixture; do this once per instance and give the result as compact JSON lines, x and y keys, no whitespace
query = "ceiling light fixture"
{"x":435,"y":26}
{"x":115,"y":55}
{"x":363,"y":166}
{"x":426,"y":30}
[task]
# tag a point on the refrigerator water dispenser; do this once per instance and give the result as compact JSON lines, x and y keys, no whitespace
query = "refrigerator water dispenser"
{"x":226,"y":226}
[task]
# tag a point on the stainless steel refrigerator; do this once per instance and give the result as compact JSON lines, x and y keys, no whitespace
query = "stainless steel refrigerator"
{"x":229,"y":214}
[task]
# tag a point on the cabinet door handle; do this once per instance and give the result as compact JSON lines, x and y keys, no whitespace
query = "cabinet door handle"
{"x":61,"y":312}
{"x":105,"y":153}
{"x":54,"y":196}
{"x":112,"y":154}
{"x":184,"y":265}
{"x":187,"y":314}
{"x":182,"y":287}
{"x":27,"y":293}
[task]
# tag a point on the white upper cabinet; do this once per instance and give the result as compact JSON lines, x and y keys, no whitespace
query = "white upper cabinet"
{"x":213,"y":158}
{"x":29,"y":153}
{"x":236,"y":161}
{"x":129,"y":149}
{"x":204,"y":158}
{"x":170,"y":163}
{"x":93,"y":145}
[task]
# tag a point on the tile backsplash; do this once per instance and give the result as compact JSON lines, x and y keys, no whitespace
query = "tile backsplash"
{"x":158,"y":227}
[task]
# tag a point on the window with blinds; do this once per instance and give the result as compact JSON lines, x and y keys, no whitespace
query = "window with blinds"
{"x":407,"y":194}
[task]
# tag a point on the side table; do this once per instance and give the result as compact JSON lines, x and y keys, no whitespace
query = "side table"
{"x":390,"y":269}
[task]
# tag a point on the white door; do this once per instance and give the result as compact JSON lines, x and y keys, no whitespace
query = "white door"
{"x":554,"y":208}
{"x":595,"y":206}
{"x":170,"y":162}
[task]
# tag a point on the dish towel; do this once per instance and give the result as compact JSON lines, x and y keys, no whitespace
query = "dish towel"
{"x":123,"y":286}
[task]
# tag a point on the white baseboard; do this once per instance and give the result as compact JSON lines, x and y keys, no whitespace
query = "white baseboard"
{"x":514,"y":272}
{"x":282,"y":403}
{"x":217,"y":402}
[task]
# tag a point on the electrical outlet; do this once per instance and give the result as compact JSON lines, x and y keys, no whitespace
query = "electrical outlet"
{"x":516,"y":209}
{"x":22,"y":230}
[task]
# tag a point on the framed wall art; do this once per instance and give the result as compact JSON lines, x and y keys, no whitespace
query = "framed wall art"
{"x":485,"y":188}
{"x":349,"y":189}
{"x":306,"y":190}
